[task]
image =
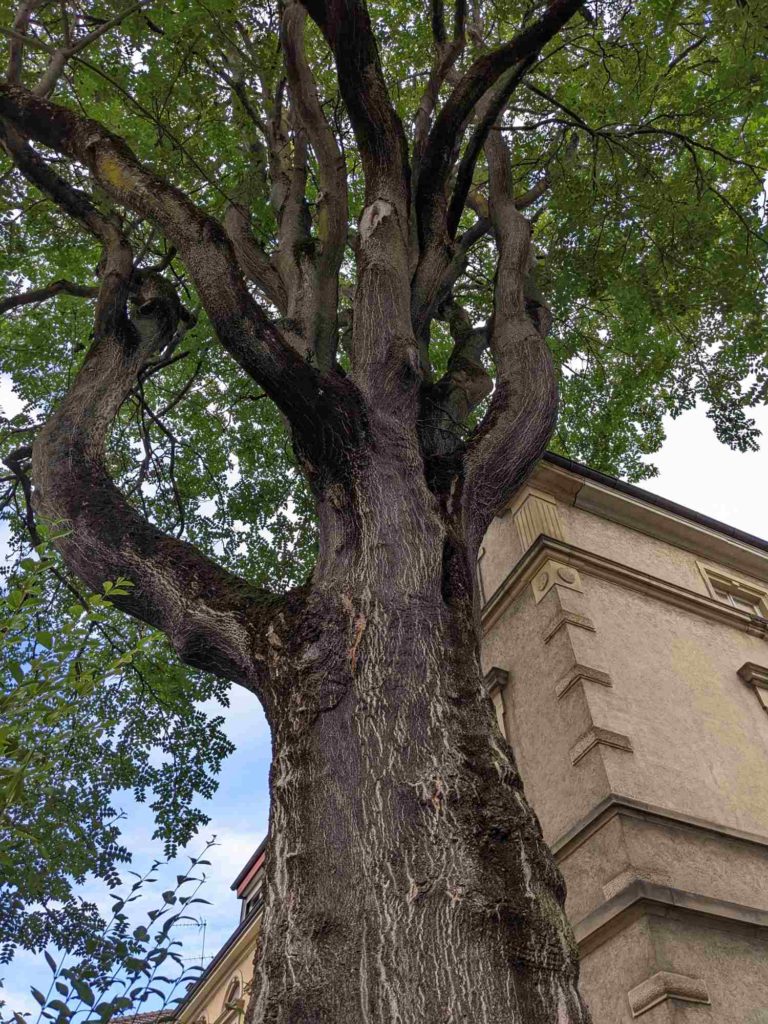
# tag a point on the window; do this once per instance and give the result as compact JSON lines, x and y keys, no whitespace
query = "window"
{"x":747,"y":604}
{"x":737,"y":593}
{"x":254,"y":903}
{"x":233,"y":992}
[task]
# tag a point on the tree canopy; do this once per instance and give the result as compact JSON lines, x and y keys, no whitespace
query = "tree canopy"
{"x":637,"y":140}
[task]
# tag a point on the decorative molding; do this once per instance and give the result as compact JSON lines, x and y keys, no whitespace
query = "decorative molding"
{"x":644,"y":897}
{"x":615,"y":805}
{"x":756,"y":676}
{"x":568,"y":618}
{"x":479,"y":570}
{"x":536,"y":514}
{"x":631,"y":875}
{"x":552,"y":574}
{"x":495,"y":681}
{"x":665,"y":985}
{"x":596,"y":737}
{"x":581,"y":674}
{"x":546,"y":548}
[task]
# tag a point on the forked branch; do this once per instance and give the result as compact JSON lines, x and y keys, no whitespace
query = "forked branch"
{"x":308,"y":399}
{"x":447,"y":131}
{"x":214,"y":620}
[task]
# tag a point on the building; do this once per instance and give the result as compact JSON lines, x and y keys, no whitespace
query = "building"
{"x":625,"y":653}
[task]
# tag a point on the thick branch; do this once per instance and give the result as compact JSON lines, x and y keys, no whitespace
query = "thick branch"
{"x":316,"y":406}
{"x":385,"y":361}
{"x":346,"y":26}
{"x":447,"y":404}
{"x":206,"y":612}
{"x":446,"y":54}
{"x":436,"y":278}
{"x":332,"y":216}
{"x":523,"y":409}
{"x":253,"y":260}
{"x":492,"y":109}
{"x":209,"y":615}
{"x":47,"y":292}
{"x":214,"y":620}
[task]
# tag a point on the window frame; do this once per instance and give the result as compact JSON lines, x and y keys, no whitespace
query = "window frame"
{"x":721,"y":581}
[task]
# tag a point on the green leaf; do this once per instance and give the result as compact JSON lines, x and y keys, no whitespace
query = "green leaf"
{"x":84,"y":991}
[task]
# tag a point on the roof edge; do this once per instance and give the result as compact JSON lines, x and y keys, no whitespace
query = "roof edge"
{"x":639,"y":493}
{"x":249,"y":863}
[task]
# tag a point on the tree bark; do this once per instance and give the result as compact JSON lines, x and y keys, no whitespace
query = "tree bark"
{"x":407,"y":878}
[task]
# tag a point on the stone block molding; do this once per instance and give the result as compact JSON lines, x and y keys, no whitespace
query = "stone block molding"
{"x":536,"y":514}
{"x":569,"y":618}
{"x":756,"y":676}
{"x":596,"y":737}
{"x":665,"y":985}
{"x":554,"y":574}
{"x":642,"y":897}
{"x":581,"y":674}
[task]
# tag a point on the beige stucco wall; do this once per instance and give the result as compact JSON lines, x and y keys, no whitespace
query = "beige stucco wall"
{"x":657,"y":723}
{"x":700,"y":737}
{"x":208,"y":1000}
{"x":734,"y":962}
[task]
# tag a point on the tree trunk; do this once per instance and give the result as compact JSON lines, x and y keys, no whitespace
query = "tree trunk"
{"x":407,"y":878}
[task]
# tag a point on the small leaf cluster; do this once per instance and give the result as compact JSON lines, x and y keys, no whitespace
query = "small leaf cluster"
{"x":91,"y":705}
{"x":124,"y":969}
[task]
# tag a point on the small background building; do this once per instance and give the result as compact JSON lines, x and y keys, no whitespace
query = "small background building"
{"x":625,"y":653}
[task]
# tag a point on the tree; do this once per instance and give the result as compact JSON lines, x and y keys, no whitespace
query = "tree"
{"x":408,"y":360}
{"x":85,"y":710}
{"x":126,"y":966}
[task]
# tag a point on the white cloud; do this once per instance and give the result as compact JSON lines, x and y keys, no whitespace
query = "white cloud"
{"x":10,"y":403}
{"x":19,"y":1001}
{"x":696,"y":470}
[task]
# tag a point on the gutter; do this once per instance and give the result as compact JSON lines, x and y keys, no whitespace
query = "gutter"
{"x":579,"y":469}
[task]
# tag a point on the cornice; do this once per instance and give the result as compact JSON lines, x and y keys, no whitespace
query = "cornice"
{"x":595,"y":565}
{"x":643,"y":897}
{"x":641,"y":510}
{"x":670,"y":528}
{"x":614,"y":805}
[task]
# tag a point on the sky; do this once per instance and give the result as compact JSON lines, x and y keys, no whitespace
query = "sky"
{"x":695,"y":470}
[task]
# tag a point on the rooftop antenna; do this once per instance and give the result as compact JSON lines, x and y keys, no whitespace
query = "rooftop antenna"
{"x":201,"y":924}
